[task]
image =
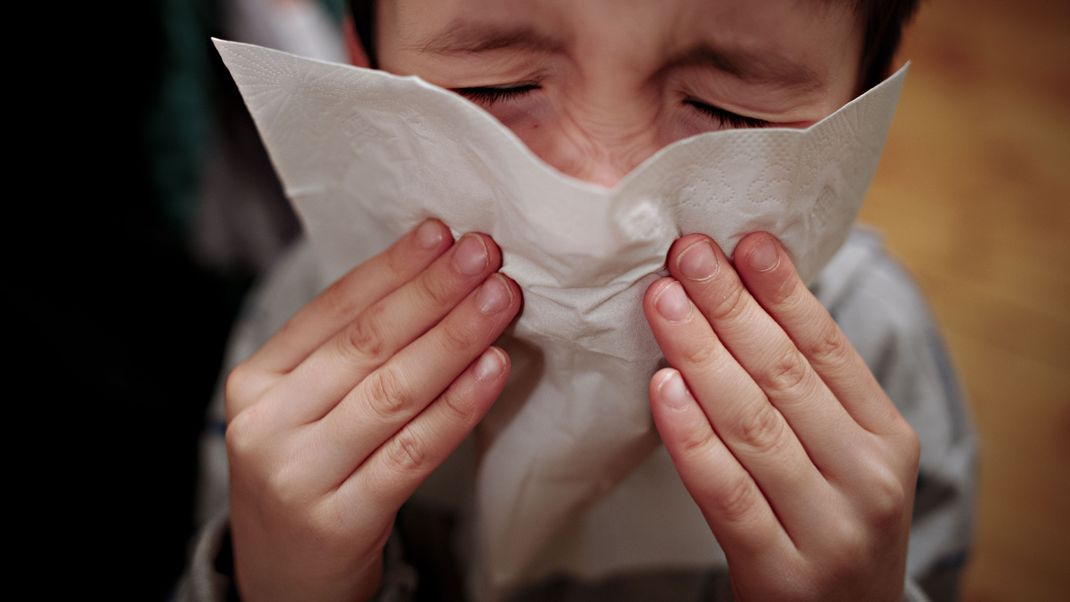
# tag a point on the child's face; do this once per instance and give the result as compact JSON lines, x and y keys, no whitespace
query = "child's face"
{"x":600,"y":85}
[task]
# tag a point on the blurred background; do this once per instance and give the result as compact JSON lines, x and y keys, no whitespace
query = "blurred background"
{"x":972,"y":195}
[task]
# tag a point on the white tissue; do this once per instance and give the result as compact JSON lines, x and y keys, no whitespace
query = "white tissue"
{"x":573,"y":478}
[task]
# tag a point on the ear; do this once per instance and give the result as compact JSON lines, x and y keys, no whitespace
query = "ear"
{"x":353,"y":45}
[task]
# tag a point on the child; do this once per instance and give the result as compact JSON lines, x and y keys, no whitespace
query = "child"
{"x":793,"y":415}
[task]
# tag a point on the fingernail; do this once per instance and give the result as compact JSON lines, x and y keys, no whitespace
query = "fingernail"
{"x":673,"y":390}
{"x":764,"y":256}
{"x":489,"y":366}
{"x":698,"y":262}
{"x":493,"y":296}
{"x":429,"y":234}
{"x":470,"y":256}
{"x":672,"y":302}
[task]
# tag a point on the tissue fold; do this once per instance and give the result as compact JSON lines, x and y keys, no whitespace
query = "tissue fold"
{"x":568,"y":475}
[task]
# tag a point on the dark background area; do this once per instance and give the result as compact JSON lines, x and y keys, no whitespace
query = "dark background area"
{"x":121,"y":331}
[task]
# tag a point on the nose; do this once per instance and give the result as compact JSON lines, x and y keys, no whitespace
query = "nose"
{"x":598,"y":138}
{"x":603,"y":164}
{"x":604,"y":173}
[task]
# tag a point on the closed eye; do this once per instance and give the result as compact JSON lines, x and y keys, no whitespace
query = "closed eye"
{"x":488,"y":96}
{"x":728,"y":118}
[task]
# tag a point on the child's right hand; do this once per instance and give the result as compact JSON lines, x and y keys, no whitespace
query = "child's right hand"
{"x":339,"y":417}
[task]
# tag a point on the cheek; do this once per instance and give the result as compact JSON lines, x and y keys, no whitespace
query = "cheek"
{"x":522,"y":117}
{"x":533,"y":123}
{"x":543,"y":135}
{"x":685,"y":124}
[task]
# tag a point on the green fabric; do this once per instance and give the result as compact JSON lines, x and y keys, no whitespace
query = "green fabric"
{"x":179,"y":125}
{"x":177,"y":131}
{"x":335,"y":9}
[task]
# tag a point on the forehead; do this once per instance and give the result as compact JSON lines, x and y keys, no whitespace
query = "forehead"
{"x":641,"y":27}
{"x":790,"y":44}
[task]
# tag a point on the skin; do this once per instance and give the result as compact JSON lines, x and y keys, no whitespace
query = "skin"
{"x":609,"y":100}
{"x":800,"y":463}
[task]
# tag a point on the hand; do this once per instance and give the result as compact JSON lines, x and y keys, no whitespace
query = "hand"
{"x":336,"y":420}
{"x":799,"y":461}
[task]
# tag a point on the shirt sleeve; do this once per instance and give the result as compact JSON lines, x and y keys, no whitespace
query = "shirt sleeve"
{"x":209,"y":576}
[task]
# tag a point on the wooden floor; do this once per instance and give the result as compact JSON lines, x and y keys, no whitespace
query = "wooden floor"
{"x":973,"y":195}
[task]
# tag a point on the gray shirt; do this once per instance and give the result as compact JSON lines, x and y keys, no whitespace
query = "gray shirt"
{"x":871,"y":297}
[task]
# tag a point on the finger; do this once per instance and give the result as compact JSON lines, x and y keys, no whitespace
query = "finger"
{"x":380,"y":331}
{"x":767,"y":353}
{"x":337,"y":305}
{"x":737,"y":512}
{"x":769,"y":273}
{"x":742,"y":417}
{"x":399,"y":390}
{"x":396,"y":469}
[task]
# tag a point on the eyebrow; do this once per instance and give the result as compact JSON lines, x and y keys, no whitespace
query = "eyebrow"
{"x":749,"y":66}
{"x":462,"y":37}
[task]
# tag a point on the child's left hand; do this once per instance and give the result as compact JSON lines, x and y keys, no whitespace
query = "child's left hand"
{"x":801,"y":464}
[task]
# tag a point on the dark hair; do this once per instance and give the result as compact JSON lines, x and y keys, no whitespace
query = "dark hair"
{"x":363,"y":12}
{"x":883,"y":22}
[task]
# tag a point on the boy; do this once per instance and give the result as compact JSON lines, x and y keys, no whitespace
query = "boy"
{"x":778,"y":406}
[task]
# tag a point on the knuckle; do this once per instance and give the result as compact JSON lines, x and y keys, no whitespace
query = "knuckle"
{"x":763,"y":430}
{"x":327,"y":522}
{"x":406,"y":453}
{"x":284,"y":485}
{"x":911,"y":445}
{"x":850,"y":544}
{"x":337,"y":301}
{"x":830,"y":574}
{"x":363,"y":339}
{"x":457,"y":336}
{"x":340,"y":531}
{"x":790,"y":373}
{"x":397,"y":261}
{"x":697,"y":444}
{"x":900,"y":440}
{"x":435,"y":288}
{"x":736,"y":501}
{"x":730,"y":305}
{"x":458,"y":404}
{"x":242,"y":436}
{"x":701,"y":353}
{"x":387,"y":396}
{"x":830,"y":348}
{"x":238,"y":388}
{"x":321,"y":527}
{"x":786,"y":294}
{"x":805,"y":585}
{"x":238,"y":442}
{"x":887,"y":498}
